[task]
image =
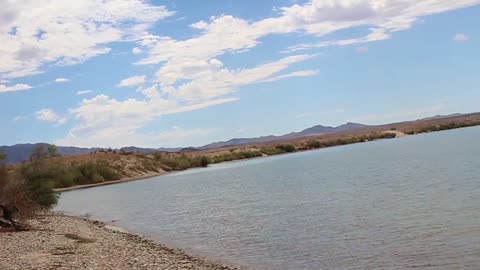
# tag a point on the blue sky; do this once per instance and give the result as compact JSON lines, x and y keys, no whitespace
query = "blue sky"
{"x":179,"y":73}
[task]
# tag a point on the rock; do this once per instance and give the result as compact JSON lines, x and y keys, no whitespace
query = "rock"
{"x":47,"y":247}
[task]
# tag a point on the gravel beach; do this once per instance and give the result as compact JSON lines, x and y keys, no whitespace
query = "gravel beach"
{"x":57,"y":241}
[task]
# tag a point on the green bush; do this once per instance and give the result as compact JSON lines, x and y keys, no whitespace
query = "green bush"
{"x":205,"y":161}
{"x":40,"y":179}
{"x":272,"y":151}
{"x":182,"y":161}
{"x":92,"y":172}
{"x":286,"y":148}
{"x":237,"y":155}
{"x":314,"y":144}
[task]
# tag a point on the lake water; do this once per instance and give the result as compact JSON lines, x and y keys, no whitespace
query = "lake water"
{"x":412,"y":202}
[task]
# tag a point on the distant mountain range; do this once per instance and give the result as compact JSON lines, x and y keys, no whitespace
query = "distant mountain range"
{"x":315,"y":130}
{"x":21,"y":152}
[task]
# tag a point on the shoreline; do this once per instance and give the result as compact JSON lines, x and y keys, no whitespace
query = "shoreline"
{"x":398,"y":135}
{"x":144,"y":177}
{"x":124,"y":180}
{"x":57,"y":240}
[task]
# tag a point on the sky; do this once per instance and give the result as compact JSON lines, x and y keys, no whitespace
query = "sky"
{"x":101,"y":73}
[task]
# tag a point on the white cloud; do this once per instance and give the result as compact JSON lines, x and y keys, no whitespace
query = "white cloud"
{"x":101,"y":118}
{"x":316,"y":17}
{"x":37,"y":32}
{"x":218,"y":81}
{"x":302,"y":73}
{"x":174,"y":137}
{"x":61,"y":80}
{"x":177,"y":135}
{"x":84,"y":92}
{"x":106,"y":121}
{"x":50,"y":116}
{"x":195,"y":61}
{"x":132,"y":81}
{"x":15,"y":87}
{"x":191,"y":74}
{"x":136,"y":50}
{"x":460,"y":37}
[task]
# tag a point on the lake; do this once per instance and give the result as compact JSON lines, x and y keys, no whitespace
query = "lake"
{"x":411,"y":202}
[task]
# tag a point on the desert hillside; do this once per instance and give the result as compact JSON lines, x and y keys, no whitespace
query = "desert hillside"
{"x":108,"y":165}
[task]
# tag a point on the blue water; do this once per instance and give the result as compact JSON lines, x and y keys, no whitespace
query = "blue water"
{"x":411,"y":202}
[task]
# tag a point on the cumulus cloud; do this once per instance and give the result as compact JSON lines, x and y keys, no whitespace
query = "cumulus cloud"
{"x":136,"y":50}
{"x":195,"y":61}
{"x":15,"y":87}
{"x":106,"y":121}
{"x":191,"y":75}
{"x":61,"y":80}
{"x":174,"y":137}
{"x":50,"y":116}
{"x":460,"y":37}
{"x":132,"y":81}
{"x":35,"y":33}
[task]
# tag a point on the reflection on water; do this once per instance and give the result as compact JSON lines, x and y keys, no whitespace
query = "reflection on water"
{"x":406,"y":203}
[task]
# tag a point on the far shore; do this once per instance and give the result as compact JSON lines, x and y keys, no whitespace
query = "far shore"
{"x":398,"y":134}
{"x":146,"y":176}
{"x":58,"y":241}
{"x":151,"y":175}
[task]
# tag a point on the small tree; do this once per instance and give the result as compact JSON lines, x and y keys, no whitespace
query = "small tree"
{"x":52,"y":150}
{"x":39,"y":180}
{"x":14,"y":201}
{"x":38,"y":152}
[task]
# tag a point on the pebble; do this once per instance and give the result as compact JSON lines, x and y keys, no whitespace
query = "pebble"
{"x":46,"y":247}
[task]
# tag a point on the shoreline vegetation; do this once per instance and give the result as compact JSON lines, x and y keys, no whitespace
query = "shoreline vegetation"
{"x":55,"y":240}
{"x":32,"y":237}
{"x":108,"y":166}
{"x":161,"y":163}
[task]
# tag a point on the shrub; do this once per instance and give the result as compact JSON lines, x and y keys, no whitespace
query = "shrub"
{"x":181,"y":161}
{"x":94,"y":172}
{"x":15,"y":204}
{"x":236,"y":155}
{"x":314,"y":144}
{"x":205,"y":161}
{"x":272,"y":151}
{"x":40,"y":179}
{"x":286,"y":148}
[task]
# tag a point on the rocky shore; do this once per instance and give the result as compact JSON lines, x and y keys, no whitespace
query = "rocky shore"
{"x":58,"y":241}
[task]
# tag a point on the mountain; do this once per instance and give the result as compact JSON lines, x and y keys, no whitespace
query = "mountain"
{"x":315,"y":130}
{"x":149,"y":150}
{"x":21,"y":152}
{"x":239,"y":141}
